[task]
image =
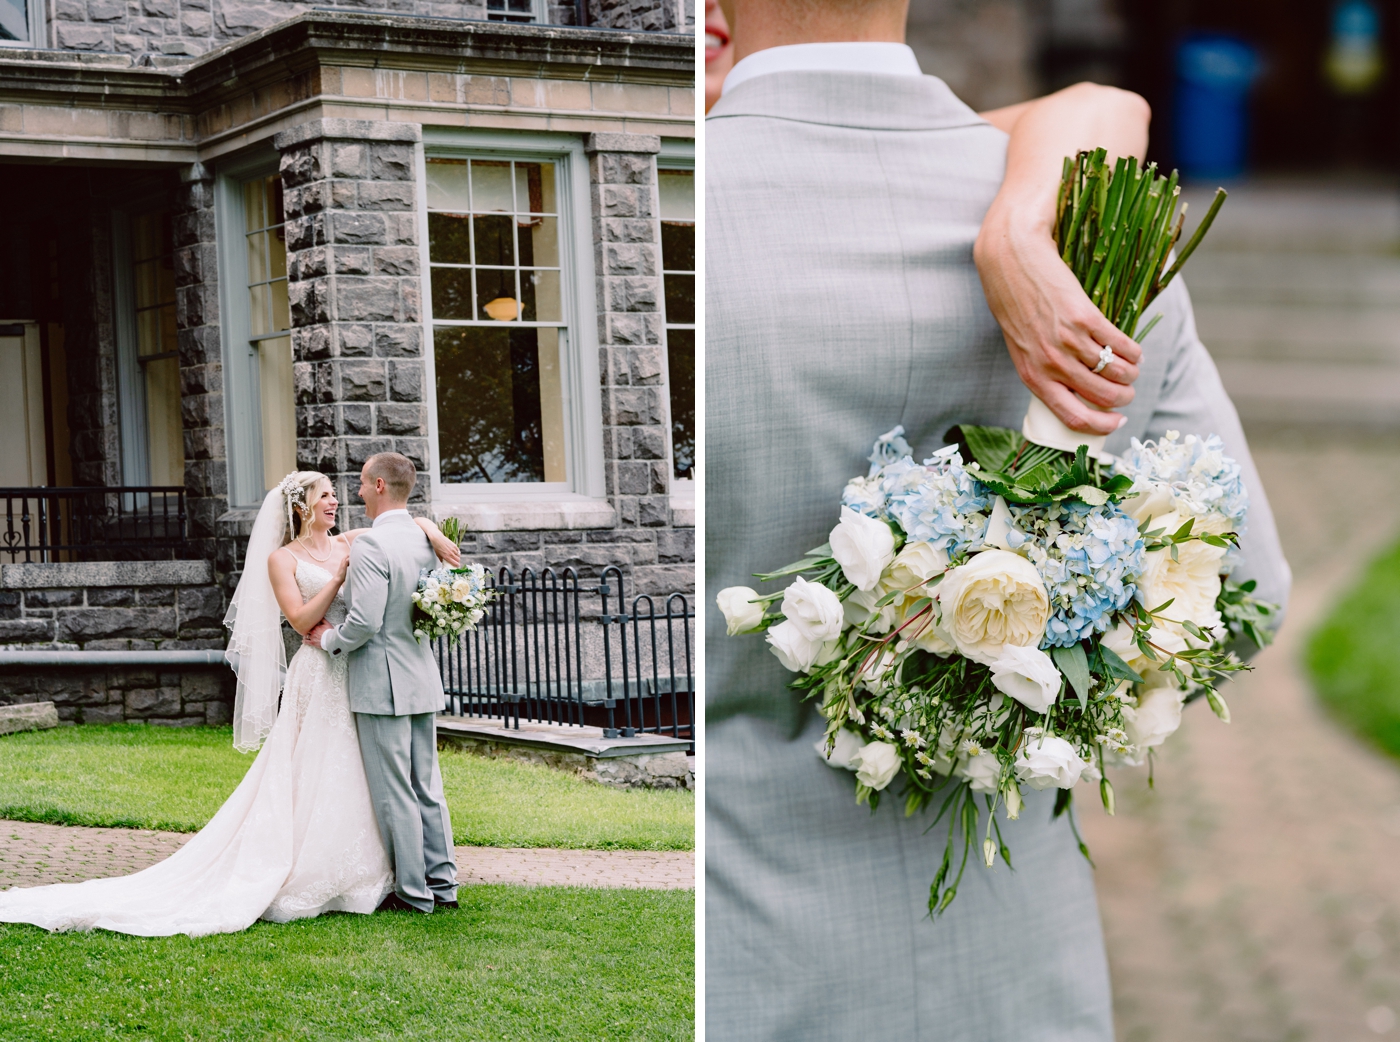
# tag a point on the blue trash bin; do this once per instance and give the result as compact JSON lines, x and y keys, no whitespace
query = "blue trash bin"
{"x":1211,"y":126}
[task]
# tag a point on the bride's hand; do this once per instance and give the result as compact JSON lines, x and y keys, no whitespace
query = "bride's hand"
{"x":342,"y":570}
{"x":448,"y":552}
{"x":1053,"y":331}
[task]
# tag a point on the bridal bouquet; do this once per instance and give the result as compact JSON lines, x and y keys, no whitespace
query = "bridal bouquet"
{"x":1019,"y":611}
{"x":450,"y":601}
{"x":1003,"y":615}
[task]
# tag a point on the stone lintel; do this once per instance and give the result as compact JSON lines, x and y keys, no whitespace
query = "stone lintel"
{"x":347,"y":130}
{"x":71,"y":575}
{"x":530,"y":515}
{"x":636,"y":143}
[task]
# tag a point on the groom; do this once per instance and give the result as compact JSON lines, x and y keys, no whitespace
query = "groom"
{"x":395,"y":689}
{"x":845,"y":192}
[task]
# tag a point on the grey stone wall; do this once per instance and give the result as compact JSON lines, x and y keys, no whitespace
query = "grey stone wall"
{"x":356,"y":301}
{"x":181,"y":30}
{"x":111,"y":606}
{"x":188,"y":697}
{"x":201,"y":363}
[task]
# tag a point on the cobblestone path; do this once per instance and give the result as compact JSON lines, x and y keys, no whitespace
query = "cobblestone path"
{"x":33,"y":854}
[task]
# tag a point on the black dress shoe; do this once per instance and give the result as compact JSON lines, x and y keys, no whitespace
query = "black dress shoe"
{"x":395,"y":903}
{"x":445,"y":904}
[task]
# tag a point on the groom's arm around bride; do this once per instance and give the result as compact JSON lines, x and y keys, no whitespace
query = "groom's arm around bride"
{"x":394,"y":686}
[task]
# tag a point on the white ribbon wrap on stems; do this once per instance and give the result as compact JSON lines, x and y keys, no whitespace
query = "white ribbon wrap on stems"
{"x":1043,"y":427}
{"x":255,"y":649}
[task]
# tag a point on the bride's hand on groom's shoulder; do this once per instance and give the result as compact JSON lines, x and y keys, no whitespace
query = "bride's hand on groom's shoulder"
{"x":447,"y":551}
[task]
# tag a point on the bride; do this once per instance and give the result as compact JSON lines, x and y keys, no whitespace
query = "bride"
{"x":298,"y":836}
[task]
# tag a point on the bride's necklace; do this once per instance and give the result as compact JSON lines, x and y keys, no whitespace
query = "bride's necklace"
{"x":312,"y":555}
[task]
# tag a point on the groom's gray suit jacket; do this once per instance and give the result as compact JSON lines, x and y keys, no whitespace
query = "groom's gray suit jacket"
{"x":391,"y":674}
{"x":842,"y":300}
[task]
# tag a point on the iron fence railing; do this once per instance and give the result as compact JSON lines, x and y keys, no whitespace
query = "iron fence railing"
{"x":97,"y":523}
{"x":553,"y":648}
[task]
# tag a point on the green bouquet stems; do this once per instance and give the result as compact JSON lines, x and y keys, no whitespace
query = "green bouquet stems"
{"x":1116,"y":228}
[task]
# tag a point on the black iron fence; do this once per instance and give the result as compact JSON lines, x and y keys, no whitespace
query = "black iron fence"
{"x":99,"y":523}
{"x":553,"y":648}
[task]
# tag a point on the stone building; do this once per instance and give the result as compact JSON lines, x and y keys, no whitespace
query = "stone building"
{"x":249,"y":236}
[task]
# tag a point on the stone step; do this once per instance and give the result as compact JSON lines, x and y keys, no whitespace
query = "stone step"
{"x":1303,"y":216}
{"x":1299,"y":393}
{"x":28,"y":716}
{"x":1286,"y":332}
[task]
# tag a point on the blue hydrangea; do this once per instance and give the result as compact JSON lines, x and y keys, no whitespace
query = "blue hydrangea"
{"x":890,"y":447}
{"x":1090,"y":559}
{"x":1202,"y":478}
{"x":939,"y":502}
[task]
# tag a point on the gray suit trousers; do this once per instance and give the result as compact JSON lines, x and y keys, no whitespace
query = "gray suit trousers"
{"x":400,"y":754}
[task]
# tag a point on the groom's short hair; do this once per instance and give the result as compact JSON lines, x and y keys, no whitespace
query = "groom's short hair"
{"x":395,"y":470}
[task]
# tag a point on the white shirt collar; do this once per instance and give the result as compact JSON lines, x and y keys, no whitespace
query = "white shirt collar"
{"x":894,"y":59}
{"x":391,"y":515}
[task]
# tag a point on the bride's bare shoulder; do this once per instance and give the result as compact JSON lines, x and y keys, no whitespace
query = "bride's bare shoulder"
{"x":281,"y":560}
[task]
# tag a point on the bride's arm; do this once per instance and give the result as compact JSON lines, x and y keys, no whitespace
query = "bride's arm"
{"x":447,"y":551}
{"x":282,"y":569}
{"x":1053,"y":331}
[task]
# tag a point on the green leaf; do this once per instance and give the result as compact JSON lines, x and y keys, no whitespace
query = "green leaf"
{"x":1062,"y":801}
{"x":1116,"y":667}
{"x":1074,"y":664}
{"x":821,"y":551}
{"x":1184,"y":531}
{"x":1091,"y":494}
{"x":993,"y":447}
{"x":804,"y":565}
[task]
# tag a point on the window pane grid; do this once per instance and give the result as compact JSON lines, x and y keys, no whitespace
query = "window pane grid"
{"x":269,"y":323}
{"x":497,"y":274}
{"x":676,"y":191}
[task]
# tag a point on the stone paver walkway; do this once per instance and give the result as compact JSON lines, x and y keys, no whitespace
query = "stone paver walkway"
{"x":32,"y":854}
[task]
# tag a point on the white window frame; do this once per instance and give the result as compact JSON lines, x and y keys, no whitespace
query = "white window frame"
{"x":538,"y":15}
{"x":242,"y":389}
{"x":580,"y":500}
{"x":38,"y":27}
{"x":679,"y":154}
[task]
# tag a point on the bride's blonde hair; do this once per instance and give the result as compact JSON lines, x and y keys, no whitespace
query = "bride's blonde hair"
{"x":294,"y":488}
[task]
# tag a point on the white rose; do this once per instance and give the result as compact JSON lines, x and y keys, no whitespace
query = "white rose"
{"x":1156,"y":718}
{"x":1191,"y":582}
{"x":996,"y":599}
{"x":859,"y":606}
{"x":461,"y":589}
{"x":1048,"y":762}
{"x":843,"y":752}
{"x":1151,"y":499}
{"x":1120,"y":641}
{"x":862,"y":546}
{"x":983,"y":771}
{"x":913,"y":566}
{"x":813,"y":609}
{"x":741,"y":615}
{"x":794,"y":651}
{"x":1027,"y":675}
{"x":876,"y":764}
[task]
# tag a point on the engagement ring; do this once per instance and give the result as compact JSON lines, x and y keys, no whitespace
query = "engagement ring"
{"x":1106,"y":355}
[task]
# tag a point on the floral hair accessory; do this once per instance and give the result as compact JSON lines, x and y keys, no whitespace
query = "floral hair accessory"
{"x":293,"y":495}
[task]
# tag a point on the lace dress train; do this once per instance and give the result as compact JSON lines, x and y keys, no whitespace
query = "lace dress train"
{"x":297,"y":838}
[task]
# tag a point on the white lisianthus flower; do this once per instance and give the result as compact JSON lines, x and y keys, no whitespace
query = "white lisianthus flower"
{"x":1155,"y":718}
{"x":813,"y":609}
{"x":983,"y":772}
{"x":1151,"y":499}
{"x":794,"y":651}
{"x":843,"y":750}
{"x":913,"y":566}
{"x":1048,"y":762}
{"x":997,"y":598}
{"x":741,"y":615}
{"x":872,"y":677}
{"x":863,"y":547}
{"x":876,"y":764}
{"x":1027,"y":675}
{"x":859,"y":606}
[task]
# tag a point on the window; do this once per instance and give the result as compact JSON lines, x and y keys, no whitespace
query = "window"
{"x":22,"y":23}
{"x":677,"y":207}
{"x":498,"y":321}
{"x":157,"y":346}
{"x":508,"y":11}
{"x":148,"y":355}
{"x":259,"y":394}
{"x":269,"y":324}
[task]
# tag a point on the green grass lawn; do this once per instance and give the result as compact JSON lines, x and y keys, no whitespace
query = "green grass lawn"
{"x":137,"y":776}
{"x":1354,"y":656}
{"x":511,"y":963}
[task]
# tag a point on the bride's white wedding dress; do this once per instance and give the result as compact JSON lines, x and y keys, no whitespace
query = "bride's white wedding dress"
{"x":297,"y":837}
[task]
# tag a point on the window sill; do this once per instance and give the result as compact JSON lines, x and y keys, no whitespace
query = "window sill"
{"x":527,"y":515}
{"x":683,"y":508}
